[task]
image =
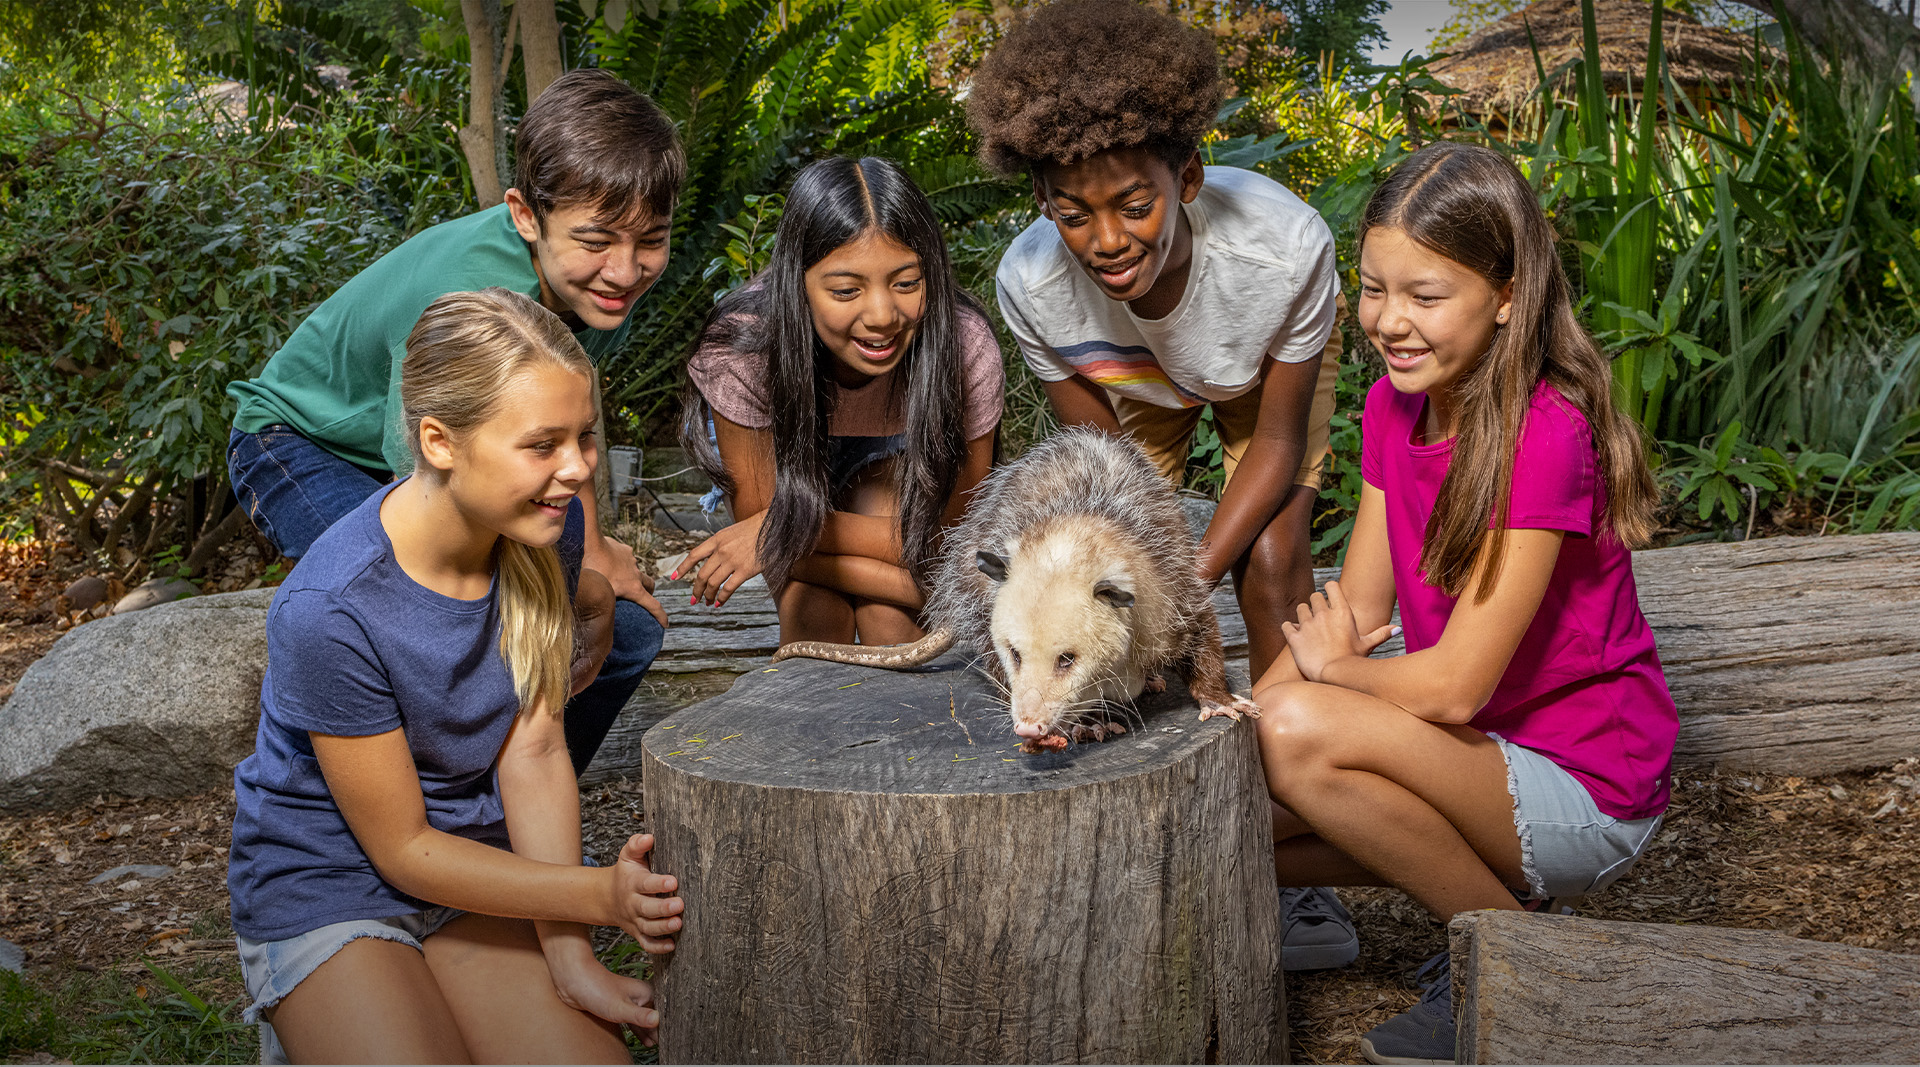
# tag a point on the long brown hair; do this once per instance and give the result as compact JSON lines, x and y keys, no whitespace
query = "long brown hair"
{"x":1471,"y":204}
{"x":462,"y":357}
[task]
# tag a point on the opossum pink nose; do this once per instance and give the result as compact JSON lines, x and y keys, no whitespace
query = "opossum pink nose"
{"x":1028,"y":729}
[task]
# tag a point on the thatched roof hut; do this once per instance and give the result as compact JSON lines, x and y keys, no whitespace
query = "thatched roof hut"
{"x":1494,"y":69}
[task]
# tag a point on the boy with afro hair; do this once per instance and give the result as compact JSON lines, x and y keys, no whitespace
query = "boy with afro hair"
{"x":1154,"y":287}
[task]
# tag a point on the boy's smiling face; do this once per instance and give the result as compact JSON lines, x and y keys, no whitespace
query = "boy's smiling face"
{"x":591,"y":271}
{"x":1119,"y":213}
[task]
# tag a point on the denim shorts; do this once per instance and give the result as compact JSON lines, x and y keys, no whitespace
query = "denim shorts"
{"x":272,"y":969}
{"x":1568,"y":846}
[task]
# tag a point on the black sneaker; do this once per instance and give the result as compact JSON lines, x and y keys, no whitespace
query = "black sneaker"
{"x":1423,"y":1033}
{"x":1316,"y":933}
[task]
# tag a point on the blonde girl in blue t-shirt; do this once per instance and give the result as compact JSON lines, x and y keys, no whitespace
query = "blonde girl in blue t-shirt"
{"x":406,"y":874}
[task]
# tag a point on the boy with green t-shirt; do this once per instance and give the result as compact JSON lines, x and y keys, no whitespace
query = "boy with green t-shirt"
{"x":1154,"y":288}
{"x":584,"y":230}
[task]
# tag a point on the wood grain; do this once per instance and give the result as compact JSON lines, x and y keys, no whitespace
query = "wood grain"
{"x":1559,"y":989}
{"x":874,"y":873}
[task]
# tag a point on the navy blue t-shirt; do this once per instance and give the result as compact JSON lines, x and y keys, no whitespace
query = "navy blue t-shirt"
{"x":356,"y":648}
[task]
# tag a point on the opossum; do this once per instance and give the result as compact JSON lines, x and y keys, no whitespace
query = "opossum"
{"x":1075,"y":569}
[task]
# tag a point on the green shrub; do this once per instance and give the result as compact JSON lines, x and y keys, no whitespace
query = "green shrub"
{"x":150,"y":254}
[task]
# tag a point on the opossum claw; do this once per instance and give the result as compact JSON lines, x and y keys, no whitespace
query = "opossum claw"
{"x":1240,"y":706}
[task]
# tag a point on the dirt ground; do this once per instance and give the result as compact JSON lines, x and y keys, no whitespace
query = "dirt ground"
{"x":1831,"y":859}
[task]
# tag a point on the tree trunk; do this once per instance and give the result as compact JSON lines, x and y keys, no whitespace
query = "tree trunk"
{"x":873,"y":873}
{"x":1861,"y":30}
{"x":539,"y":45}
{"x":1558,"y":989}
{"x":483,"y":139}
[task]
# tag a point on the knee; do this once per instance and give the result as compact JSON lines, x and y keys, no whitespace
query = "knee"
{"x":1275,"y":559}
{"x":637,"y":637}
{"x":1297,"y":743}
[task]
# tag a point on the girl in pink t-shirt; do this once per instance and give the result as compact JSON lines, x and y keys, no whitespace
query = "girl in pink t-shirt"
{"x":853,"y":392}
{"x":1520,"y":748}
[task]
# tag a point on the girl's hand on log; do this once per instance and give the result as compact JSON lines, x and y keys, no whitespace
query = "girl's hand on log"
{"x":1327,"y":632}
{"x":726,"y":560}
{"x":642,"y":902}
{"x":591,"y":988}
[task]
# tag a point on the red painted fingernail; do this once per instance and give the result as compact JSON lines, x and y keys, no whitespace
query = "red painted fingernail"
{"x":674,"y":577}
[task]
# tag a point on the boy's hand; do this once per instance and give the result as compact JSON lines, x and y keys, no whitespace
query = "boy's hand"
{"x":614,"y":559}
{"x":1327,"y":632}
{"x":588,"y":986}
{"x":641,"y":904}
{"x":726,"y":560}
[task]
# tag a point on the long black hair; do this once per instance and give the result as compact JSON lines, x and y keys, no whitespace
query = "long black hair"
{"x":833,"y":202}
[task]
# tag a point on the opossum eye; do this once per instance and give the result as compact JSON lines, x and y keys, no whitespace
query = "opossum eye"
{"x":1014,"y":654}
{"x":1064,"y":663}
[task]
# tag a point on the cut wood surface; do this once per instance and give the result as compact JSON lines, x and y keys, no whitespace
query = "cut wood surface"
{"x":1792,"y":655}
{"x":1558,"y":989}
{"x":874,"y":873}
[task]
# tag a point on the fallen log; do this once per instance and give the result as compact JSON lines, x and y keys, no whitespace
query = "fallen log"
{"x":1559,"y":989}
{"x":874,"y":873}
{"x":1791,"y":655}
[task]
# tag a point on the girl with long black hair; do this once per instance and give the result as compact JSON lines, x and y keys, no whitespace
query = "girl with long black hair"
{"x":852,"y":392}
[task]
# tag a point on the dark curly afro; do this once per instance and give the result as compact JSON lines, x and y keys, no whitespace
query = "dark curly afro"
{"x":1083,"y":76}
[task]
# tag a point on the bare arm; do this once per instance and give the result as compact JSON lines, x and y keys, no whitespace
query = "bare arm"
{"x":542,"y":806}
{"x":375,"y":785}
{"x":1078,"y":402}
{"x":1366,"y":579}
{"x":1265,"y":474}
{"x":1454,"y":679}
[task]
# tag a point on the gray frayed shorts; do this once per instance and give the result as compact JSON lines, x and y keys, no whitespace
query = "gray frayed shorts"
{"x":1568,"y":846}
{"x":272,"y":969}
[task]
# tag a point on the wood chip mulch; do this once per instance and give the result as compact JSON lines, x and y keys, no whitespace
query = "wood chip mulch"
{"x":1833,"y":858}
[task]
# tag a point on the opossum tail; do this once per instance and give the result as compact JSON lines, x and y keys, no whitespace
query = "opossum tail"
{"x":891,"y":657}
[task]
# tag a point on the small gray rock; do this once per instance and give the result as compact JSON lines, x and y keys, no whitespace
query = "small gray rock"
{"x":12,"y":957}
{"x":156,"y":591}
{"x":152,"y":872}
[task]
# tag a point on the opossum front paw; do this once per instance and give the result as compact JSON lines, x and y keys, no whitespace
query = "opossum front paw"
{"x":1156,"y":684}
{"x":1098,"y":731}
{"x":1240,"y":706}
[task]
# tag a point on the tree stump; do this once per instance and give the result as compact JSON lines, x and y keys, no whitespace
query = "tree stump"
{"x":1557,"y":989}
{"x":874,"y":873}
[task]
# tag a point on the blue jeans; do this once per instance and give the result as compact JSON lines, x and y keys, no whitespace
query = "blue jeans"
{"x":293,"y":490}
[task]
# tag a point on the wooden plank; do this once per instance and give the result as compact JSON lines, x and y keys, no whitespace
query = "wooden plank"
{"x":874,"y":873}
{"x":1560,"y":989}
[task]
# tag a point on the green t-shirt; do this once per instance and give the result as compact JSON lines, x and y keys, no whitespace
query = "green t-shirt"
{"x":337,"y":379}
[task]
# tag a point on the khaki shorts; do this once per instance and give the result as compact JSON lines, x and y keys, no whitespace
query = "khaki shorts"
{"x":1167,"y":433}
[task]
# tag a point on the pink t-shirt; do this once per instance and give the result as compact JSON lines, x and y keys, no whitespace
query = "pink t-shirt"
{"x":733,"y":384}
{"x":1585,"y":688}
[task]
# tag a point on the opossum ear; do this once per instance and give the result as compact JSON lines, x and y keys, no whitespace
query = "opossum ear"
{"x":994,"y":567}
{"x":1112,"y":594}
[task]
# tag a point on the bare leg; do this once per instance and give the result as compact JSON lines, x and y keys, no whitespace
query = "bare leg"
{"x":1275,"y":577}
{"x":880,"y":623}
{"x":374,"y":1001}
{"x":814,"y":613}
{"x":496,"y":982}
{"x":1422,"y":806}
{"x":872,"y":492}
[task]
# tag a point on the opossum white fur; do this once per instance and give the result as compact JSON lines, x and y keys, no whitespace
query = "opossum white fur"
{"x":1074,"y":573}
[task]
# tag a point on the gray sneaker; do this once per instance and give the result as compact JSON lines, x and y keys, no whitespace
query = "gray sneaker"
{"x":1316,"y":933}
{"x":1423,"y":1033}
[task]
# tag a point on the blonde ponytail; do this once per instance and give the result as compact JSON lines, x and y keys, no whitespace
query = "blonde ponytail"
{"x":461,"y":357}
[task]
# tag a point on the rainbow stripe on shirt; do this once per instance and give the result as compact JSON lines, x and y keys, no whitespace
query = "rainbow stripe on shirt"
{"x":1130,"y":369}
